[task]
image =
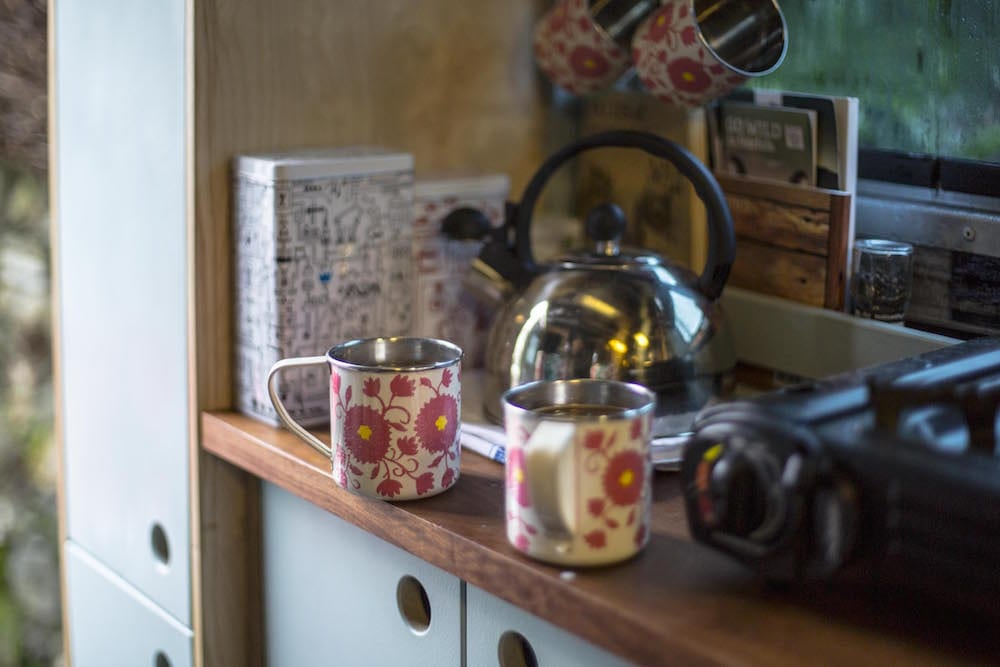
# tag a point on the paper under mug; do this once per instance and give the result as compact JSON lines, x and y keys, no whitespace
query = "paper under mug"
{"x":690,"y":52}
{"x":578,"y":483}
{"x":395,"y":405}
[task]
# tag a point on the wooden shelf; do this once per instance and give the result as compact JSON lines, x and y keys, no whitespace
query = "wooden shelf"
{"x":677,"y":602}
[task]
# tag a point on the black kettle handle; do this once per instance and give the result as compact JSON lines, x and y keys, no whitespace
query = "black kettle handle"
{"x":721,"y":237}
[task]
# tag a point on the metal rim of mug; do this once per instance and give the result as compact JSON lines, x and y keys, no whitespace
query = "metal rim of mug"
{"x":644,"y":397}
{"x":633,"y":21}
{"x":883,"y":247}
{"x":604,"y":35}
{"x":742,"y":72}
{"x":443,"y":354}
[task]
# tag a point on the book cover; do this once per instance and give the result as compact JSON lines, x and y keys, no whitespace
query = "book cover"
{"x":777,"y":143}
{"x":836,"y":131}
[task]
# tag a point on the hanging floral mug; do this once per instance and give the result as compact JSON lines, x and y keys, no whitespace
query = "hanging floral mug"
{"x":583,"y":45}
{"x":578,"y":483}
{"x":395,"y":405}
{"x":690,"y":52}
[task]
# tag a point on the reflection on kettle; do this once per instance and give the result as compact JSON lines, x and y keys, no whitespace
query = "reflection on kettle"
{"x":609,"y":313}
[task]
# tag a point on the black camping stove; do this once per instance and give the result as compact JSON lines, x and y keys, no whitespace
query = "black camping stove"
{"x":891,"y":473}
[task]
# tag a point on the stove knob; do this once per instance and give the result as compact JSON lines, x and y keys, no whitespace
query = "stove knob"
{"x":748,"y":498}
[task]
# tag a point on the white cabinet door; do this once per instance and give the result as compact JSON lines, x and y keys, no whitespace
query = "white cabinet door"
{"x":498,"y":633}
{"x":336,"y":595}
{"x":122,"y":271}
{"x":111,"y":623}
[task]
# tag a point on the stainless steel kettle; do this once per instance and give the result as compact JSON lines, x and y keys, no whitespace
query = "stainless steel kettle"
{"x":611,"y":312}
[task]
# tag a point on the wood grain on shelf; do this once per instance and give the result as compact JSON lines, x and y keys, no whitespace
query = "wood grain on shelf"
{"x":677,"y":602}
{"x":792,"y":241}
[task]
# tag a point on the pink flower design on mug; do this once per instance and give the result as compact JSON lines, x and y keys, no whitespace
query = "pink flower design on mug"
{"x":661,"y":23}
{"x":379,"y":389}
{"x":624,"y":477}
{"x":389,"y":488}
{"x":676,"y":63}
{"x":366,"y":434}
{"x":574,"y":52}
{"x":558,"y":21}
{"x":689,"y":75}
{"x":402,"y":386}
{"x":588,"y":62}
{"x":437,"y":423}
{"x":515,"y":477}
{"x":578,"y":487}
{"x":382,"y":433}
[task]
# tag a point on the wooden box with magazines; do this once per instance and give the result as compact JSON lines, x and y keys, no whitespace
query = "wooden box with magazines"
{"x":792,"y":241}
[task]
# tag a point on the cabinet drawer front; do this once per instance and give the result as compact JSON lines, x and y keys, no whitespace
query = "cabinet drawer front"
{"x":336,"y":595}
{"x":497,"y":630}
{"x":111,"y":623}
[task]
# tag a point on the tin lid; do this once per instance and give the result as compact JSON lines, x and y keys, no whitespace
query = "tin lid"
{"x":462,"y":185}
{"x":322,"y":162}
{"x":882,"y":247}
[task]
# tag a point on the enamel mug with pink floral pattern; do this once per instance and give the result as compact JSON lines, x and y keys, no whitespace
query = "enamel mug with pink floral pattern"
{"x":583,"y":45}
{"x":578,"y":473}
{"x":395,"y":406}
{"x":690,"y":52}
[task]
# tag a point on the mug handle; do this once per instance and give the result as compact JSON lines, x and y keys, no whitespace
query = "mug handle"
{"x":293,"y":425}
{"x":551,"y":477}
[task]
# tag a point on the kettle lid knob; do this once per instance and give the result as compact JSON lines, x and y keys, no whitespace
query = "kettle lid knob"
{"x":605,"y":224}
{"x":466,"y":224}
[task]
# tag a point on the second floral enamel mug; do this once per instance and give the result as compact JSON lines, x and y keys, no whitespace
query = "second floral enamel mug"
{"x":690,"y":52}
{"x":395,"y":405}
{"x":578,"y":487}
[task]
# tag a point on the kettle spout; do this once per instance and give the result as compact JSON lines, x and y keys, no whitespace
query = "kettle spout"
{"x":492,"y":275}
{"x":486,"y":285}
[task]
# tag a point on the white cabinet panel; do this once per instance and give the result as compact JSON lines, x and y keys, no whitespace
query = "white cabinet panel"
{"x":111,"y":623}
{"x":331,"y":589}
{"x":121,"y":235}
{"x":490,"y":621}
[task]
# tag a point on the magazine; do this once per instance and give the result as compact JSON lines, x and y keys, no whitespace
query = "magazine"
{"x":777,"y":143}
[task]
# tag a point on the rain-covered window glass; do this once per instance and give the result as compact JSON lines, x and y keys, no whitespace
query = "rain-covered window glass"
{"x":927,"y":72}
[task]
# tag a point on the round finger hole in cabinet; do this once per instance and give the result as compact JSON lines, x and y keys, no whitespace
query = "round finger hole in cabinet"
{"x":161,"y":547}
{"x":414,"y":605}
{"x":513,"y":650}
{"x":161,"y":660}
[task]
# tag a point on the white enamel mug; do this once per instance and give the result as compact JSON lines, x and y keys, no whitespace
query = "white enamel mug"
{"x":578,"y":483}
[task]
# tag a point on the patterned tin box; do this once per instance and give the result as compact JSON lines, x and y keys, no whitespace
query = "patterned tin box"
{"x":323,"y":255}
{"x":442,"y":308}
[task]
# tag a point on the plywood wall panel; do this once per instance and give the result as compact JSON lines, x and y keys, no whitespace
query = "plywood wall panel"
{"x":451,"y":82}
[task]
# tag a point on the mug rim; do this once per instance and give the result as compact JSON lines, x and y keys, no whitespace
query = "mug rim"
{"x":883,"y":247}
{"x":450,"y":354}
{"x":648,"y":406}
{"x":749,"y":74}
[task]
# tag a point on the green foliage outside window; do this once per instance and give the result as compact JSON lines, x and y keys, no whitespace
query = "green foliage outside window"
{"x":29,"y":573}
{"x":927,"y":72}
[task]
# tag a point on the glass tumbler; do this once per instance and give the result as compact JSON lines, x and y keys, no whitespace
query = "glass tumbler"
{"x":881,"y":279}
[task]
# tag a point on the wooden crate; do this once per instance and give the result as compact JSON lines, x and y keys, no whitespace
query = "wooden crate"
{"x":791,"y":241}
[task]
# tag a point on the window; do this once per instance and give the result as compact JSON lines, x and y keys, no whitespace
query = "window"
{"x":927,"y":71}
{"x":927,"y":74}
